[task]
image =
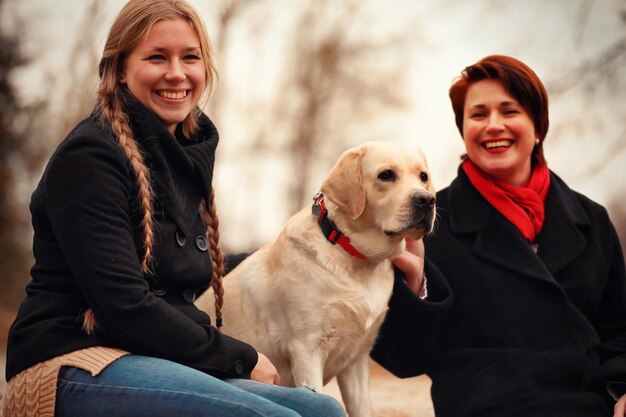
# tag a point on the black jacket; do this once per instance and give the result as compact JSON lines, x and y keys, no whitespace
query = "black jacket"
{"x":526,"y":334}
{"x":88,"y":247}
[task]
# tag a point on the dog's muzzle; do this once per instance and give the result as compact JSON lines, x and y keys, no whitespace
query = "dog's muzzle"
{"x":422,"y":213}
{"x":423,"y":210}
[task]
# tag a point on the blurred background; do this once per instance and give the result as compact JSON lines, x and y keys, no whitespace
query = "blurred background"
{"x":303,"y":80}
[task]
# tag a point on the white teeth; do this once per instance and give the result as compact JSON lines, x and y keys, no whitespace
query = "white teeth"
{"x":498,"y":144}
{"x":173,"y":95}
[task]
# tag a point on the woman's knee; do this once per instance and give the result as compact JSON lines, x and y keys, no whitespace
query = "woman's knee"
{"x":304,"y":401}
{"x":320,"y":404}
{"x":332,"y":407}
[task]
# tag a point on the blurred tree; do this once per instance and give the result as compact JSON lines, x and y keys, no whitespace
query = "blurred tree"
{"x":309,"y":80}
{"x":332,"y":82}
{"x":594,"y":82}
{"x":19,"y":160}
{"x":28,"y":132}
{"x":320,"y":88}
{"x":320,"y":79}
{"x":337,"y":82}
{"x":228,"y":13}
{"x":82,"y":69}
{"x":592,"y":79}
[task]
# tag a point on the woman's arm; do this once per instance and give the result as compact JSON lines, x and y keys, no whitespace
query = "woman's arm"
{"x":612,"y":323}
{"x":410,"y":331}
{"x":411,"y":263}
{"x":89,"y":199}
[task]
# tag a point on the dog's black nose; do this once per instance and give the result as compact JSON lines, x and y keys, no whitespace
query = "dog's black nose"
{"x":423,"y":200}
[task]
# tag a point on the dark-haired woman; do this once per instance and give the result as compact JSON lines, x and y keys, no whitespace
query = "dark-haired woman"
{"x":526,"y":307}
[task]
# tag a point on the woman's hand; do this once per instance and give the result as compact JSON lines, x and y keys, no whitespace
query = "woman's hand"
{"x":411,"y":263}
{"x":265,"y":371}
{"x":620,"y":407}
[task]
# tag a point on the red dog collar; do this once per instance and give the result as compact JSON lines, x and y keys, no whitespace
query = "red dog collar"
{"x":330,"y":230}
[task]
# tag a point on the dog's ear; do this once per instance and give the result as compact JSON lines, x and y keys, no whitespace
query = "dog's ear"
{"x":344,"y":184}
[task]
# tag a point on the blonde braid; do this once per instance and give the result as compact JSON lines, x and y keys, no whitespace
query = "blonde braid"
{"x":217,"y":257}
{"x":113,"y":114}
{"x":121,"y":128}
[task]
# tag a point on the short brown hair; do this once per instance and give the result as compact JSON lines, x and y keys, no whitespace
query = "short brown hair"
{"x":518,"y":80}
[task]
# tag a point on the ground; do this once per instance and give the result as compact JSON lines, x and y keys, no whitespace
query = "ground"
{"x":394,"y":397}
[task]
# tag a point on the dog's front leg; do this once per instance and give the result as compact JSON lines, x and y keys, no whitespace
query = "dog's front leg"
{"x":354,"y":386}
{"x":306,"y":367}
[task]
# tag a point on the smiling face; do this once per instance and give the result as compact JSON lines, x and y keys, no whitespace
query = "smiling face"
{"x":498,"y":132}
{"x":166,"y":72}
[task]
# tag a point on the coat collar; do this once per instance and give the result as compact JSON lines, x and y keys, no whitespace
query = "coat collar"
{"x":561,"y":241}
{"x":498,"y":241}
{"x":181,"y":168}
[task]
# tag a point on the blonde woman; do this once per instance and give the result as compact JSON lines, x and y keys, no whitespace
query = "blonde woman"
{"x":126,"y":237}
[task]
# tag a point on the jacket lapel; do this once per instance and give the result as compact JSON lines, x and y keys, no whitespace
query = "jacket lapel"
{"x":497,"y":240}
{"x":202,"y":154}
{"x":172,"y":189}
{"x":561,"y":241}
{"x":175,"y":162}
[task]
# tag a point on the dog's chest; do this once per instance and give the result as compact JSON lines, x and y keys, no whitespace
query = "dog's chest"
{"x":374,"y":301}
{"x":355,"y":312}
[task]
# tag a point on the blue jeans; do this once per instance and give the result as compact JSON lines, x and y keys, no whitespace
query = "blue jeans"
{"x":138,"y":386}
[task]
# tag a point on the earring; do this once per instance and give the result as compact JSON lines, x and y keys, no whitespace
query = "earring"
{"x":536,"y":142}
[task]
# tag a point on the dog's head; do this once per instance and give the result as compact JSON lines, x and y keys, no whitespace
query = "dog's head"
{"x":380,"y":193}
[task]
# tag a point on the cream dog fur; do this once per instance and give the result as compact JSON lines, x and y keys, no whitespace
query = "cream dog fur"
{"x":309,"y":305}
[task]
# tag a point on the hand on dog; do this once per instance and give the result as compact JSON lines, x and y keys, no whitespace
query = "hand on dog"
{"x":265,"y":371}
{"x":411,"y":263}
{"x":620,"y":407}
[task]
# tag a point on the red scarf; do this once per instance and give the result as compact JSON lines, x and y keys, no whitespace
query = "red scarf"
{"x":524,"y":206}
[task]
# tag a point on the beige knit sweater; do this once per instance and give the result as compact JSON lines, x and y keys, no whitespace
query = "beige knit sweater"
{"x":32,"y":392}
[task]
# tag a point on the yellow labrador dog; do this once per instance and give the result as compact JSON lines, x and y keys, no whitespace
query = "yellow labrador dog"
{"x":314,"y":299}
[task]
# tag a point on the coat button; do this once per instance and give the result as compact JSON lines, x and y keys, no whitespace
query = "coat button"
{"x":154,"y":286}
{"x":201,"y":243}
{"x":238,"y":368}
{"x":180,"y":239}
{"x":189,"y":295}
{"x":158,"y":291}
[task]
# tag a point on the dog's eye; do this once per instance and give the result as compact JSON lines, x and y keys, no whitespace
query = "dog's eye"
{"x":423,"y":177}
{"x":387,"y":175}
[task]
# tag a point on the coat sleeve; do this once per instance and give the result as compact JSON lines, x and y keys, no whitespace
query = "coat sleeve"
{"x":409,"y":334}
{"x":612,"y":323}
{"x":90,"y":191}
{"x":232,"y":261}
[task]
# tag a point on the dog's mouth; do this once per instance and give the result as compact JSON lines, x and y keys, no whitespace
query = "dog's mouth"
{"x":391,"y":234}
{"x":422,"y":225}
{"x":415,"y":218}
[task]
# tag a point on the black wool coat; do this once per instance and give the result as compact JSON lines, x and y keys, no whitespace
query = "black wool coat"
{"x":88,"y":248}
{"x":526,"y":334}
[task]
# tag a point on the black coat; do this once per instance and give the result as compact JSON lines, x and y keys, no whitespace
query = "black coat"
{"x":88,"y":247}
{"x":526,"y":334}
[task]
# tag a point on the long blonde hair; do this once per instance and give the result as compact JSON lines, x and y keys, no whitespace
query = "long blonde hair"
{"x":131,"y":25}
